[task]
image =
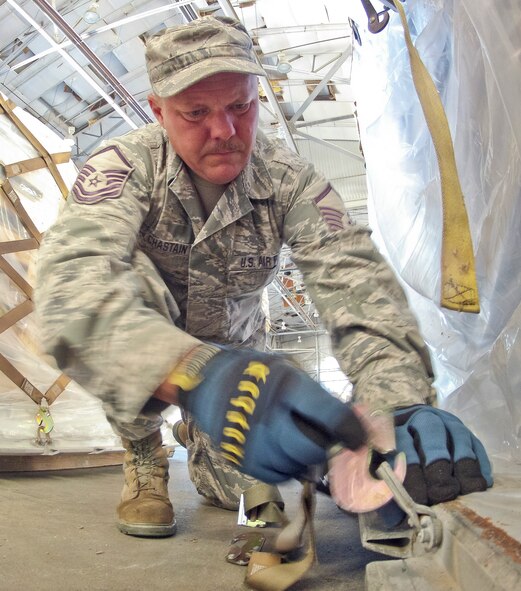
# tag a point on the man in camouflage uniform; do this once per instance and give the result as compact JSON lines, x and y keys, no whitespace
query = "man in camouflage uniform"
{"x":169,"y":237}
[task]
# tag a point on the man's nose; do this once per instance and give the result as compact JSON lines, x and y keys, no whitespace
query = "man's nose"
{"x":222,"y":126}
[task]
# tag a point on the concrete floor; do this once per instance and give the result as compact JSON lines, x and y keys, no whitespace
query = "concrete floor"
{"x":57,"y":533}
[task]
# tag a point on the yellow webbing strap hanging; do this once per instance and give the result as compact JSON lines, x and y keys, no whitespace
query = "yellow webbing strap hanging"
{"x":459,"y":290}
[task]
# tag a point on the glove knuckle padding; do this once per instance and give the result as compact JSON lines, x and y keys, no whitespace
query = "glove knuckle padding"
{"x":414,"y":480}
{"x":444,"y":458}
{"x":271,"y":445}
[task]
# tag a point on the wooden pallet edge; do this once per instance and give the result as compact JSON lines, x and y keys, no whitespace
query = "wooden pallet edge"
{"x":63,"y":460}
{"x":59,"y":461}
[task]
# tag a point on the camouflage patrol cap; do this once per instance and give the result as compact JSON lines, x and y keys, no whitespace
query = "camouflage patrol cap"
{"x":183,"y":55}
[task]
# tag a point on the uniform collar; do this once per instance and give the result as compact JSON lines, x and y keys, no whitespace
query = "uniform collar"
{"x":253,"y":184}
{"x":256,"y":179}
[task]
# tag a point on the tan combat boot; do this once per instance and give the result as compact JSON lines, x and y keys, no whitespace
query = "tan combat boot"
{"x":145,"y":509}
{"x":180,"y":432}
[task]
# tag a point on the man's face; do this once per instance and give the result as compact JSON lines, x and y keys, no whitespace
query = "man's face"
{"x":212,"y":125}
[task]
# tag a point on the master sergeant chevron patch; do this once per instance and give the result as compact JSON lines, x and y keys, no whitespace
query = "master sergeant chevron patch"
{"x":332,"y":209}
{"x":102,"y":177}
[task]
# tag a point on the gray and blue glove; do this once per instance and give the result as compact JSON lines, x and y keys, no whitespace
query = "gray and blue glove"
{"x":444,"y":459}
{"x":266,"y":416}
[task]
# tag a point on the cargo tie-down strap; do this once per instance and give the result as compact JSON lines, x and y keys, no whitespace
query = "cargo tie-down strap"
{"x":266,"y":570}
{"x":353,"y":488}
{"x":10,"y":318}
{"x":44,"y":159}
{"x":459,"y":290}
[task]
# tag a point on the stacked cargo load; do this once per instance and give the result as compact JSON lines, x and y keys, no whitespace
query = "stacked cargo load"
{"x":42,"y":412}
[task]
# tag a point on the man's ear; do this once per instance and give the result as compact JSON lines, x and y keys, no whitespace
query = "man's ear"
{"x":155,"y":103}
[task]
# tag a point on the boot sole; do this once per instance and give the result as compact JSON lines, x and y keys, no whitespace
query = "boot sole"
{"x":146,"y":530}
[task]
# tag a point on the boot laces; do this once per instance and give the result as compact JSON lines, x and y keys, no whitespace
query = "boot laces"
{"x":144,"y":464}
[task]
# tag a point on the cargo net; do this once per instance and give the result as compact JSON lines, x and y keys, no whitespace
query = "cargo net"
{"x":41,"y":410}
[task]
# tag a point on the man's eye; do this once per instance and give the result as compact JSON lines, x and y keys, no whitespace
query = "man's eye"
{"x":241,"y":107}
{"x":194,"y":115}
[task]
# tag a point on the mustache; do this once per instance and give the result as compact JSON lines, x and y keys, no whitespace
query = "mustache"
{"x":224,"y":146}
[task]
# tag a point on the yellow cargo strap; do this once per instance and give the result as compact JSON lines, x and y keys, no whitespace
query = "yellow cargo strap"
{"x":459,"y":290}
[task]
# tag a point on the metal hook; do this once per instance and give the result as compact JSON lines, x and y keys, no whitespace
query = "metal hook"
{"x":374,"y":24}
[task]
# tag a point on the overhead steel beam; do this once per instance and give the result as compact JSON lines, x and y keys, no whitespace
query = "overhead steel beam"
{"x":319,"y":42}
{"x":330,"y":145}
{"x":299,"y":310}
{"x":99,"y":67}
{"x":119,"y":23}
{"x":322,"y":84}
{"x":74,"y":64}
{"x":188,"y":12}
{"x":306,"y":75}
{"x":87,"y":150}
{"x":320,"y":121}
{"x":263,"y":32}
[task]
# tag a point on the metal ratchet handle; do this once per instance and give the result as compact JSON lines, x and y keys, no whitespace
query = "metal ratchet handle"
{"x":422,"y":518}
{"x":402,"y":497}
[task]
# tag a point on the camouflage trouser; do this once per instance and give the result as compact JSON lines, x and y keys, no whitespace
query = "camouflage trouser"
{"x":214,"y":478}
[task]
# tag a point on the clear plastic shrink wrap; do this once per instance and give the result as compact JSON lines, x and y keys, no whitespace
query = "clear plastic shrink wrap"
{"x":79,"y":421}
{"x":472,"y":49}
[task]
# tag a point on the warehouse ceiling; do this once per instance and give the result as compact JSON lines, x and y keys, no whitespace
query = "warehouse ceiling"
{"x":88,"y":81}
{"x":79,"y":66}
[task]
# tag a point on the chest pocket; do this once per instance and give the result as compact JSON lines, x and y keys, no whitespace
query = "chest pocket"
{"x":254,"y":260}
{"x":250,"y":272}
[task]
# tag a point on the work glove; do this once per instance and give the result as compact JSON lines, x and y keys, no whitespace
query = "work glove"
{"x":444,"y":459}
{"x":266,"y":416}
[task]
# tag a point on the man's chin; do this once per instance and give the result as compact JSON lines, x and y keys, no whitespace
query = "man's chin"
{"x":222,"y":175}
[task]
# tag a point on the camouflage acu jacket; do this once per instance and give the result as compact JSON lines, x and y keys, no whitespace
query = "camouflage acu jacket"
{"x":132,"y":276}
